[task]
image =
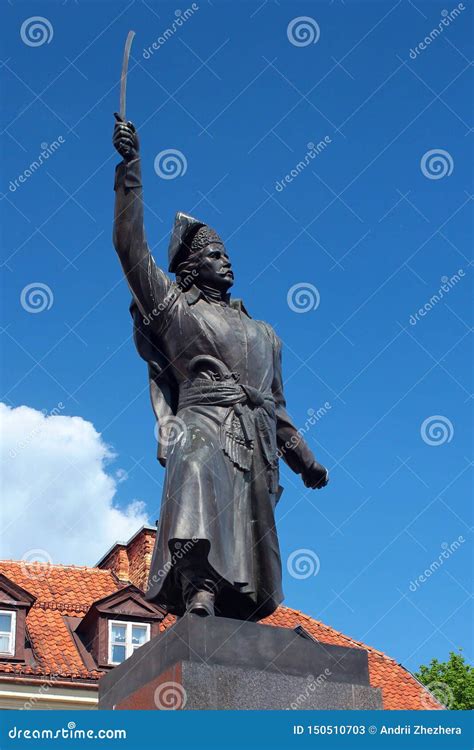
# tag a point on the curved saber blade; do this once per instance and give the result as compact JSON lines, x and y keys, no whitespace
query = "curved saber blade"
{"x":123,"y":77}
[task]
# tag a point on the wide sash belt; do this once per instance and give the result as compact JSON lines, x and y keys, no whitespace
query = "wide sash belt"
{"x":218,"y":393}
{"x":250,"y":417}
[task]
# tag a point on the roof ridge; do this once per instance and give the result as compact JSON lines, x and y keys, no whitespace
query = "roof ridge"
{"x":61,"y":606}
{"x":89,"y":568}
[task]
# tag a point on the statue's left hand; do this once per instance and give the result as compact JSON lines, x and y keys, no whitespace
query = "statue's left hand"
{"x":316,"y":476}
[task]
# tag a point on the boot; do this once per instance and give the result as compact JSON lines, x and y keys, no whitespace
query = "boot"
{"x":201,"y":603}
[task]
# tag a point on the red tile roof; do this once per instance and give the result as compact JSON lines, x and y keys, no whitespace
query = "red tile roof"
{"x":59,"y":590}
{"x":68,"y":590}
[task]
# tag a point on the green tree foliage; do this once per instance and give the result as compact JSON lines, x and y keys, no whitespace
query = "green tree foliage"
{"x":451,"y":682}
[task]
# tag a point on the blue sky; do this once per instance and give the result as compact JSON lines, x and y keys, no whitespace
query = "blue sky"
{"x":372,"y":223}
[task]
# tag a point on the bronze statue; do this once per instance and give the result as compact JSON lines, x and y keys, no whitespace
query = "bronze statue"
{"x":216,"y":388}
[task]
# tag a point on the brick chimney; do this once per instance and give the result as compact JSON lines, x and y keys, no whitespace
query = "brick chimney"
{"x":130,"y":561}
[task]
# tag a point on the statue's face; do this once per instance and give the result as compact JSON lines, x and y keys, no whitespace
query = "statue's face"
{"x":215,"y":269}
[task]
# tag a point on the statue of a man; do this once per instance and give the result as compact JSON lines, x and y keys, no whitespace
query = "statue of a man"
{"x":216,"y":387}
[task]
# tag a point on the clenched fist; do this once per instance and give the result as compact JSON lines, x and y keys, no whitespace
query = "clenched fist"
{"x":125,"y":139}
{"x":316,"y":476}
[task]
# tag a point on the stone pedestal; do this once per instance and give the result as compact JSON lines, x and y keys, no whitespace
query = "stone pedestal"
{"x":218,"y":663}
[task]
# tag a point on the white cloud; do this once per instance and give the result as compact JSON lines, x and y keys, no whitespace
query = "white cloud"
{"x":56,"y":493}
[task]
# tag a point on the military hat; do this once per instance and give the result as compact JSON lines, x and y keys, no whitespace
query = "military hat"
{"x":188,"y":235}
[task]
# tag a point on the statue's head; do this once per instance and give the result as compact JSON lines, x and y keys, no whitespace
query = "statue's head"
{"x":214,"y":267}
{"x":202,"y":260}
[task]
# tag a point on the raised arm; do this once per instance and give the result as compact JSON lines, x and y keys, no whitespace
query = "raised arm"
{"x":148,"y":283}
{"x":291,"y":446}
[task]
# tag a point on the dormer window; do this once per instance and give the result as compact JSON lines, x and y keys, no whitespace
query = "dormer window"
{"x":7,"y":632}
{"x":125,"y":638}
{"x":115,"y":626}
{"x":15,"y":603}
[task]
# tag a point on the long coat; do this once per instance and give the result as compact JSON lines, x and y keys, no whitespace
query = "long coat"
{"x":216,"y":386}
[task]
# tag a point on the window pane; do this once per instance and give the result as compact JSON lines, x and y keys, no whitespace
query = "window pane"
{"x":4,"y":644}
{"x":138,"y":635}
{"x":118,"y":633}
{"x":5,"y":623}
{"x":118,"y":654}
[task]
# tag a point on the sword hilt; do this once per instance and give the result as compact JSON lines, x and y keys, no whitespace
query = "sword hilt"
{"x":119,"y":119}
